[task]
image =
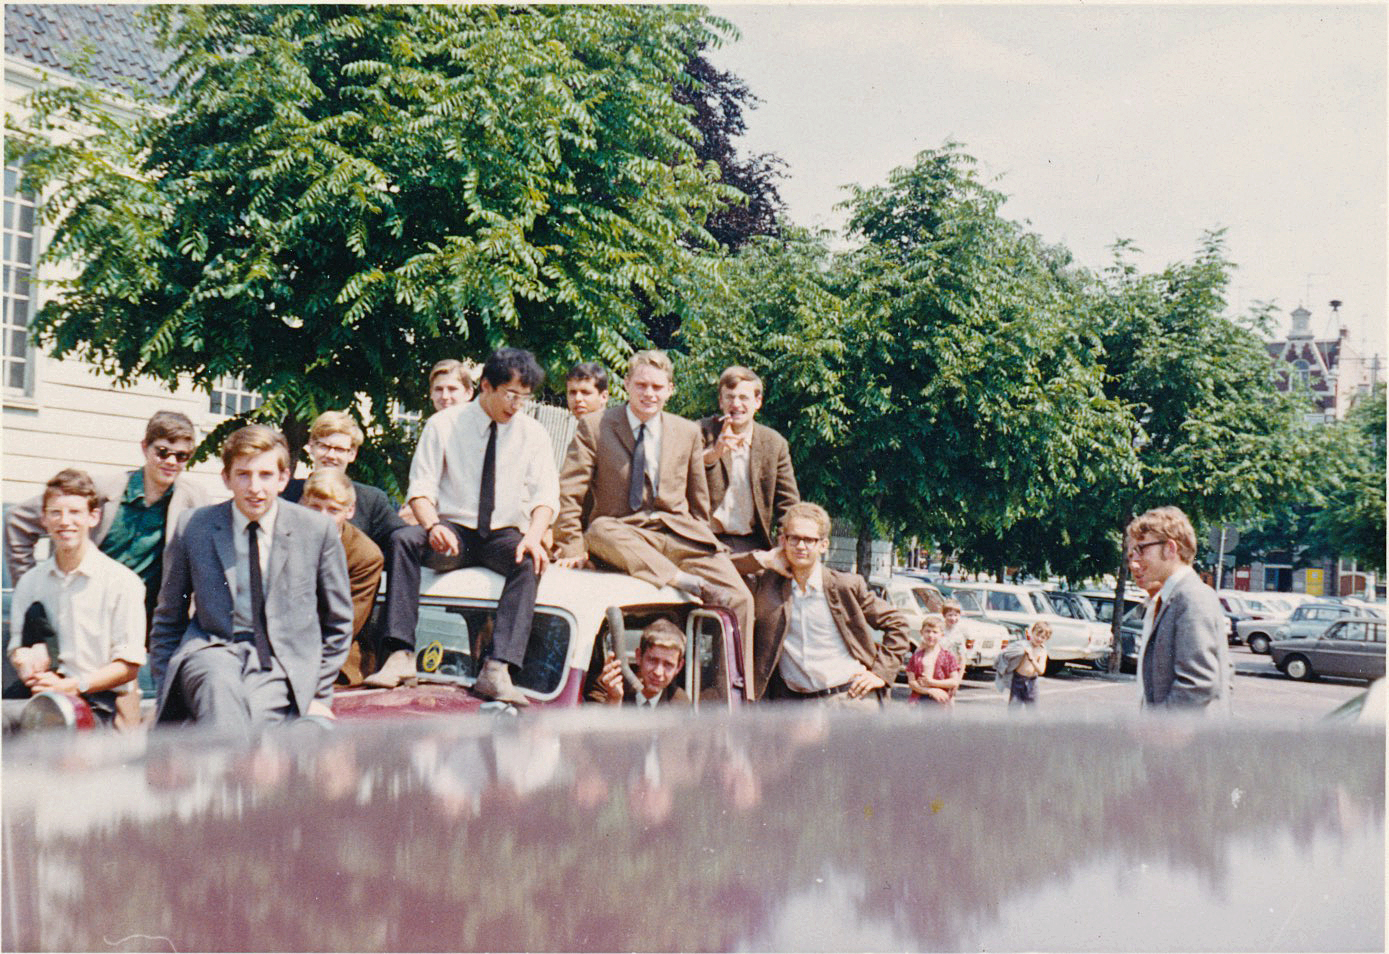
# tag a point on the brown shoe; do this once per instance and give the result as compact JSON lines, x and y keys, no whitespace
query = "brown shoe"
{"x":399,"y":667}
{"x":495,"y":683}
{"x":711,"y":594}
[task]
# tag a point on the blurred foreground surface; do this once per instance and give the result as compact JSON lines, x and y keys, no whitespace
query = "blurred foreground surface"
{"x":764,"y":830}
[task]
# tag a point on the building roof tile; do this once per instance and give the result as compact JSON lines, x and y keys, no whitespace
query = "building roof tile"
{"x":106,"y":44}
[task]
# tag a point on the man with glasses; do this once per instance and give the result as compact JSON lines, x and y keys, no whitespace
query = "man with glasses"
{"x":1184,"y":663}
{"x":484,"y":489}
{"x":814,"y":635}
{"x":139,"y":511}
{"x":334,"y":440}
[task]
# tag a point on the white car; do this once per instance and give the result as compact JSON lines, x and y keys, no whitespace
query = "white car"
{"x":1072,"y":640}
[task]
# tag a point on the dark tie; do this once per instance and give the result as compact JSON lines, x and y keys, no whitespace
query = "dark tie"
{"x":258,"y":597}
{"x":636,"y":487}
{"x":487,"y":493}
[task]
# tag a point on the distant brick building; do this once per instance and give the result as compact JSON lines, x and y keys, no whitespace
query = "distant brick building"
{"x":1333,"y":372}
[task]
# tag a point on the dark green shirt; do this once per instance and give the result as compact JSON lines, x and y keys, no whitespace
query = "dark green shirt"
{"x":136,"y":537}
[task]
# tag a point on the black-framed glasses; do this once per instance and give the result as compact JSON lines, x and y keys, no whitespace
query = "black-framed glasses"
{"x":1135,"y":552}
{"x":164,"y":453}
{"x":797,"y":541}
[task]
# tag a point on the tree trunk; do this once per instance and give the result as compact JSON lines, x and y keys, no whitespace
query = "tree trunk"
{"x":863,"y":550}
{"x":1116,"y":651}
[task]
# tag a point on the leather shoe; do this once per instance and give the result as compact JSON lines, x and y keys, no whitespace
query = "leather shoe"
{"x":399,"y":667}
{"x":495,"y":683}
{"x":711,"y":594}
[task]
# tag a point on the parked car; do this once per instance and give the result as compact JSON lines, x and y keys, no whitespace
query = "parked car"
{"x":1310,"y":619}
{"x":573,"y":629}
{"x":1072,"y":640}
{"x":1351,"y":648}
{"x":982,"y":636}
{"x":1102,"y":601}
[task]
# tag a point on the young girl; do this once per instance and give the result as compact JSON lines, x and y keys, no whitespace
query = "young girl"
{"x":933,"y":672}
{"x":1021,"y":663}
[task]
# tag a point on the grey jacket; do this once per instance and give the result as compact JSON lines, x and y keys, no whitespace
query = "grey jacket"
{"x":1186,"y":659}
{"x":24,"y":526}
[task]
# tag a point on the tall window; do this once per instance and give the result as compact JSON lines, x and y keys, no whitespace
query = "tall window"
{"x":229,"y":396}
{"x":18,"y":288}
{"x":1302,"y":373}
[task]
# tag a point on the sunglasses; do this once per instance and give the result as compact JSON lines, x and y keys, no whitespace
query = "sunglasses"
{"x":164,"y":453}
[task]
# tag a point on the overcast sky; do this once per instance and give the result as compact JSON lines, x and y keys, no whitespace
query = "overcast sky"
{"x":1147,"y":122}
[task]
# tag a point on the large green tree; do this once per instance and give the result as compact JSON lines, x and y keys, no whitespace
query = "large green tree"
{"x":335,"y":196}
{"x":1351,"y":479}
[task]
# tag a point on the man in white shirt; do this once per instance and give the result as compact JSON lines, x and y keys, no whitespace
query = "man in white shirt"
{"x":1184,"y":663}
{"x":484,"y":489}
{"x":747,"y":465}
{"x":94,"y":608}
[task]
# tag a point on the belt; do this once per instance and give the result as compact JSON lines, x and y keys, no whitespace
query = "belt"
{"x":820,"y":693}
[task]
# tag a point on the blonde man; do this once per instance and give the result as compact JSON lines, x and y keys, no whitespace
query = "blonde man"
{"x":334,"y":440}
{"x":450,"y":383}
{"x":271,"y":610}
{"x":330,"y":493}
{"x":1185,"y":660}
{"x":748,"y":466}
{"x":649,"y":516}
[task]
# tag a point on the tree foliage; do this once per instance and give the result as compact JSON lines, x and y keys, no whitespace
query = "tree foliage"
{"x":1351,"y":481}
{"x":337,"y":196}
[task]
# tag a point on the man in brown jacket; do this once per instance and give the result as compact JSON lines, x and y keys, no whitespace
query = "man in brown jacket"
{"x":748,"y":466}
{"x":813,"y":639}
{"x":650,"y":502}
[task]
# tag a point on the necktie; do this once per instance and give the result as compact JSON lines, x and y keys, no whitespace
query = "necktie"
{"x":258,"y":625}
{"x":1157,"y":607}
{"x":636,"y":487}
{"x":487,"y":493}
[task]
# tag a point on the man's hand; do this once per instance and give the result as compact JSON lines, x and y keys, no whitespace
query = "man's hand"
{"x":864,"y":683}
{"x":443,"y":540}
{"x":30,"y":660}
{"x":536,"y":550}
{"x":776,"y":562}
{"x":408,"y":515}
{"x":610,"y":680}
{"x":917,"y":684}
{"x":48,"y":680}
{"x":940,"y":695}
{"x":572,"y":563}
{"x":728,"y":441}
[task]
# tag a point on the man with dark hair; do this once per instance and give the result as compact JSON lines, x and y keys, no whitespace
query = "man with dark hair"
{"x":748,"y":466}
{"x":483,"y":488}
{"x":660,"y":656}
{"x":77,"y":620}
{"x":139,"y":510}
{"x":272,"y":612}
{"x":586,"y":388}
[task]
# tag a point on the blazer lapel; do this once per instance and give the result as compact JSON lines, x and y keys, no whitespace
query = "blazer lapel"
{"x":279,"y":550}
{"x":225,"y":545}
{"x":617,"y":421}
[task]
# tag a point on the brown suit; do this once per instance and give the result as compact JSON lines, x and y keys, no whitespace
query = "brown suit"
{"x":364,"y":565}
{"x":769,"y":471}
{"x":657,"y":544}
{"x":856,"y":613}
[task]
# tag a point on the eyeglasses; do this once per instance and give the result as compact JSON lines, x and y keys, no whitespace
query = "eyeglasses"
{"x":335,"y":448}
{"x":514,"y":397}
{"x":1134,"y":553}
{"x":796,"y":541}
{"x":164,"y":453}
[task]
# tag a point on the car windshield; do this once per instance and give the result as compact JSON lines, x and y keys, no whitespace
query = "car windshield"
{"x":1043,"y":605}
{"x":453,"y":638}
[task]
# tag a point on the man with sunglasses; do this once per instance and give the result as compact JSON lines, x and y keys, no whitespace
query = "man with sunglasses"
{"x":139,"y":512}
{"x":813,"y":639}
{"x":1184,"y":663}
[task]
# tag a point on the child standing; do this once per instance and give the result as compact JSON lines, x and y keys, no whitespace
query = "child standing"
{"x":1021,"y":663}
{"x":934,"y":672}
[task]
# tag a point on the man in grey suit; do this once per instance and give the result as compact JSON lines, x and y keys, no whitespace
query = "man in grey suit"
{"x":1185,"y":660}
{"x":272,"y":617}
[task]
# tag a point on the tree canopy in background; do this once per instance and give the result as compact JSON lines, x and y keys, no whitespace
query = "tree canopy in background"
{"x":337,"y":196}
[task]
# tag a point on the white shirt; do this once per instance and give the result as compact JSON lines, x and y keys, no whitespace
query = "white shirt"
{"x":97,"y":610}
{"x":651,"y":446}
{"x":1149,"y":617}
{"x":242,"y":621}
{"x":447,"y":467}
{"x":734,"y":514}
{"x":813,"y":655}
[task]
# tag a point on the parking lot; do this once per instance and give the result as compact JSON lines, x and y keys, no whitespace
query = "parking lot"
{"x":1261,"y":692}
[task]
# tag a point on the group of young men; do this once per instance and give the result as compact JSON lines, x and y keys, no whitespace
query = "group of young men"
{"x":254,"y":607}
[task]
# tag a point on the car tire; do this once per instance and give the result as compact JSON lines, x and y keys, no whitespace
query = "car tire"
{"x":1297,"y":667}
{"x":1054,"y":666}
{"x":1258,"y":643}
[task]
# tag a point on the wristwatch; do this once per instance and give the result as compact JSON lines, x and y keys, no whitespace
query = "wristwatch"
{"x":84,"y":685}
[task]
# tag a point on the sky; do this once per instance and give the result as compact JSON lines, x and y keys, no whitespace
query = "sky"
{"x":1153,"y":123}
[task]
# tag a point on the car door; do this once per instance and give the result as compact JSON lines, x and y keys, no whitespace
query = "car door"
{"x":1374,"y":652}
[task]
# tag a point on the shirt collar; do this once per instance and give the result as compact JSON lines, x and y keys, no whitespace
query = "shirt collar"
{"x":481,"y":420}
{"x":1176,"y":576}
{"x":135,"y":490}
{"x":85,"y":566}
{"x":267,"y":520}
{"x":815,"y":583}
{"x":653,"y":426}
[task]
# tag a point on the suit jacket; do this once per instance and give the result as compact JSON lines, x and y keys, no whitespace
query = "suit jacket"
{"x":856,"y":612}
{"x":1186,"y":658}
{"x":24,"y":526}
{"x":308,"y":606}
{"x":671,"y":694}
{"x":364,"y":566}
{"x":769,"y":471}
{"x":375,"y":514}
{"x":599,"y":462}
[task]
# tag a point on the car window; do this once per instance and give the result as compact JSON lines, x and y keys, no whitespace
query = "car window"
{"x":1060,"y":606}
{"x":926,"y":599}
{"x":1004,"y":602}
{"x":708,"y":643}
{"x":451,"y":640}
{"x":1378,"y":634}
{"x":1041,"y":604}
{"x":1134,"y":615}
{"x":1348,"y":631}
{"x":970,"y":601}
